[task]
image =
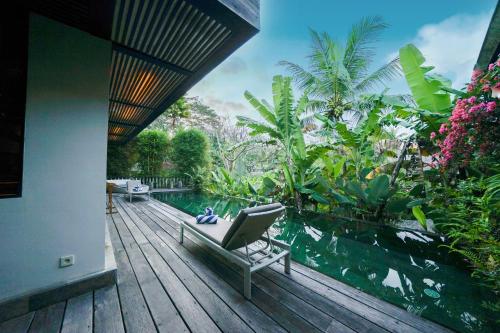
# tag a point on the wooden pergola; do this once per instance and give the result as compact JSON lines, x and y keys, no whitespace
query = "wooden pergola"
{"x":161,"y":48}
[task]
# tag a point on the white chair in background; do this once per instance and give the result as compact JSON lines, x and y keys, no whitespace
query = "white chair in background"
{"x":134,"y":187}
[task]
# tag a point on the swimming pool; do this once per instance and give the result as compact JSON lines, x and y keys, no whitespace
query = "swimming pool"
{"x":407,"y":268}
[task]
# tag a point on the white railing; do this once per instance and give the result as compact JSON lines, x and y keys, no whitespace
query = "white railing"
{"x":158,"y":182}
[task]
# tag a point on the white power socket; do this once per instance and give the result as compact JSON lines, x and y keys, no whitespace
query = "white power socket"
{"x":66,"y":261}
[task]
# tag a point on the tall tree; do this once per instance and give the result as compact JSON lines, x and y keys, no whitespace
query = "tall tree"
{"x":168,"y":120}
{"x":152,"y":148}
{"x":190,"y":151}
{"x":339,"y":73}
{"x":201,"y":116}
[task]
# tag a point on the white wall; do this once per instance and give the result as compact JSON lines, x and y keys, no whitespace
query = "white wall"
{"x":62,"y":208}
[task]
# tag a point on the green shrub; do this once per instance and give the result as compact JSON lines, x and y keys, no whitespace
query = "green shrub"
{"x":152,"y":148}
{"x":189,"y":151}
{"x":121,"y":159}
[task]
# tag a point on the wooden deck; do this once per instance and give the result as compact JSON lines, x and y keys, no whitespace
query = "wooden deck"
{"x":167,"y":287}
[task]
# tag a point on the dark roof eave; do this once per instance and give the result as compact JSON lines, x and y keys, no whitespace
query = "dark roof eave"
{"x":491,"y":44}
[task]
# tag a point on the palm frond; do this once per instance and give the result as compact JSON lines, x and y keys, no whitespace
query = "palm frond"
{"x":387,"y":72}
{"x":359,"y":48}
{"x":327,"y":66}
{"x":308,"y":123}
{"x":303,"y":78}
{"x":316,"y":106}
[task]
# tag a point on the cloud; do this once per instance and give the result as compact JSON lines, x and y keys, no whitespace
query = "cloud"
{"x":452,"y":45}
{"x":233,"y":65}
{"x":226,"y":108}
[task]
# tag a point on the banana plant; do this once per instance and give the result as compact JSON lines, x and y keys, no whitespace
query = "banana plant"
{"x":225,"y":184}
{"x":282,"y":126}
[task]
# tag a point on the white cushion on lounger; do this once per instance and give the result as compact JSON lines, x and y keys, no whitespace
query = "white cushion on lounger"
{"x":119,"y":182}
{"x":214,"y":232}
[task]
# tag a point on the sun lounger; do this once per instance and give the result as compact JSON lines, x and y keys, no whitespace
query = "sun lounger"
{"x":134,"y":187}
{"x":250,"y":226}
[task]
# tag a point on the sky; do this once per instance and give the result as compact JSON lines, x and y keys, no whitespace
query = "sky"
{"x":448,"y":32}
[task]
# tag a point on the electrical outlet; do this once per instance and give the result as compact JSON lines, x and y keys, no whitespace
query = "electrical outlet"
{"x":66,"y":261}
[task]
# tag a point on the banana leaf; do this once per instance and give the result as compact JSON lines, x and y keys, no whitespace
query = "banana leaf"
{"x":355,"y":190}
{"x":397,"y":205}
{"x":261,"y":108}
{"x":378,"y":189}
{"x":341,"y":199}
{"x":427,"y":90}
{"x":288,"y":178}
{"x":252,"y":189}
{"x":420,"y":216}
{"x":319,"y":198}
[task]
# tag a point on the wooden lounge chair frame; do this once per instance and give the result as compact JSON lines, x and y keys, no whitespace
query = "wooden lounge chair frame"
{"x":249,"y":261}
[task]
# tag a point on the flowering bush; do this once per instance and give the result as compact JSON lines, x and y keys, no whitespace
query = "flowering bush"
{"x":473,"y":129}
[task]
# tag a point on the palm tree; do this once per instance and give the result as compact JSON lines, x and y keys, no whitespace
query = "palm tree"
{"x":339,"y":74}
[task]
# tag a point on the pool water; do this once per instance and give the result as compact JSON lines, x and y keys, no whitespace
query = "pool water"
{"x":407,"y":268}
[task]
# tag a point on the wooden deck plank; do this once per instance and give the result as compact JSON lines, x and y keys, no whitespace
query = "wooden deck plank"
{"x":181,"y":282}
{"x":161,"y":307}
{"x":289,"y":319}
{"x":79,"y":314}
{"x":107,"y":312}
{"x":342,"y":314}
{"x":135,"y":312}
{"x":247,"y":311}
{"x":192,"y":312}
{"x":19,"y":324}
{"x":49,"y":319}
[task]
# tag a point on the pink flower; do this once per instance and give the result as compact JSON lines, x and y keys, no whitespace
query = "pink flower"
{"x":472,"y":100}
{"x":497,"y":86}
{"x":476,"y":73}
{"x":491,"y":106}
{"x":470,"y":87}
{"x":486,"y":88}
{"x":433,"y":135}
{"x":443,"y":128}
{"x":491,"y":67}
{"x":475,"y":108}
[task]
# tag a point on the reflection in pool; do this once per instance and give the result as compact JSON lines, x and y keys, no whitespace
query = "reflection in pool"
{"x":406,"y":268}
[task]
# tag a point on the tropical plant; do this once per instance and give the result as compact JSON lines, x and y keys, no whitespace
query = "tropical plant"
{"x":282,"y":126}
{"x":338,"y":74}
{"x":152,"y":148}
{"x":468,"y":213}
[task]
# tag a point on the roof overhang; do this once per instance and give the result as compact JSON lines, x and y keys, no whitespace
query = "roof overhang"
{"x":161,"y":48}
{"x":491,"y":44}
